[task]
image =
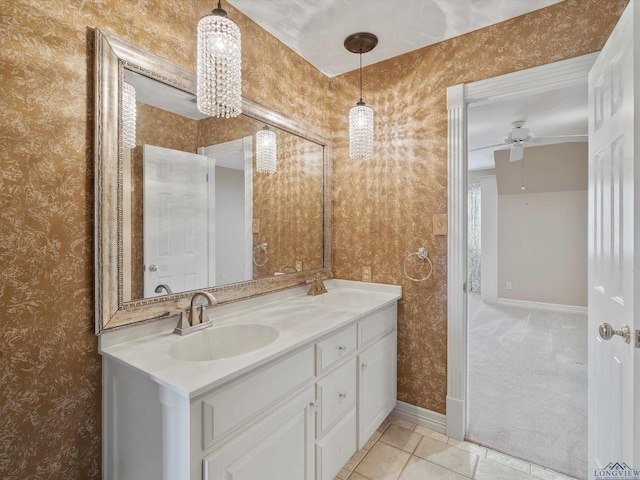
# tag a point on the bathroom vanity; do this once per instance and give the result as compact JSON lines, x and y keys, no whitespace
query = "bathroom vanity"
{"x":315,"y":377}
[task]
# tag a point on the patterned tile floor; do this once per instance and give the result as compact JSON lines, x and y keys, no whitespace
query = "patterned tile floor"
{"x":400,"y":450}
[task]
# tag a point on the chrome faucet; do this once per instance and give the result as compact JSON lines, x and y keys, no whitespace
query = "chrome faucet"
{"x":195,"y":321}
{"x":317,"y":285}
{"x":164,"y":286}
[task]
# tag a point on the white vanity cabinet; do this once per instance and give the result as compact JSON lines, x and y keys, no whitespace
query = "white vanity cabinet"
{"x":279,"y":446}
{"x":301,"y":415}
{"x":377,"y":370}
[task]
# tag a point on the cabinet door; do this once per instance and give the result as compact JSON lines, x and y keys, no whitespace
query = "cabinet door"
{"x":278,"y":447}
{"x":376,"y":385}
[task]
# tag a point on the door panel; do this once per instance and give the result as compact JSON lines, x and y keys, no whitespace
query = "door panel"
{"x":278,"y":447}
{"x":613,"y":427}
{"x":175,"y":220}
{"x":376,"y":385}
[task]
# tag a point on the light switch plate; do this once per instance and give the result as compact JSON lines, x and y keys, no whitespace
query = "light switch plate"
{"x":299,"y":265}
{"x":256,"y":225}
{"x":440,"y":224}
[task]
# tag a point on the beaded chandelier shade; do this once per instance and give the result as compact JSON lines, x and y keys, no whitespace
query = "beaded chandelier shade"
{"x":219,"y":64}
{"x":361,"y":116}
{"x":266,"y":150}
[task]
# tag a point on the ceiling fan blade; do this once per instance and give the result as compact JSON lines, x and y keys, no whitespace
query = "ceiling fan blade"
{"x":559,"y":139}
{"x":517,"y":153}
{"x":504,"y":146}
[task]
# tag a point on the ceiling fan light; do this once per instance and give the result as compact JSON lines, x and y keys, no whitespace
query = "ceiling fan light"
{"x":517,"y":152}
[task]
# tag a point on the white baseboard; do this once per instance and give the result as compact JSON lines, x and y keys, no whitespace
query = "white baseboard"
{"x":421,"y":416}
{"x":554,"y":307}
{"x":456,"y":418}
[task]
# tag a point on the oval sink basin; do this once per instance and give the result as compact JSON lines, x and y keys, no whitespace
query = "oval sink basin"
{"x":223,"y":342}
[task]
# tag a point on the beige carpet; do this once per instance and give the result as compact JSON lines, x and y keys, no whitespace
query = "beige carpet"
{"x":528,"y":384}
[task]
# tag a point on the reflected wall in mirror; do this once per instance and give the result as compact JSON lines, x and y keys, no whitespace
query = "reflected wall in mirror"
{"x":200,"y":215}
{"x":185,"y":208}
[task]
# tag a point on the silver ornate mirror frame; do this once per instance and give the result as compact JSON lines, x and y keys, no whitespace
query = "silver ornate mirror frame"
{"x":111,"y":57}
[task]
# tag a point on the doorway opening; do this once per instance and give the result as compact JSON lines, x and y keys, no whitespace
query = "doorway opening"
{"x":515,"y":263}
{"x":527,"y":278}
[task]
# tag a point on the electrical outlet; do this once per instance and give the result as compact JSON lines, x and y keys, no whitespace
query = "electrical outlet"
{"x":366,"y":273}
{"x":508,"y":285}
{"x":299,"y":265}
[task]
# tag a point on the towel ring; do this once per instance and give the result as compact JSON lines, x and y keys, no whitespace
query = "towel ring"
{"x":263,"y":247}
{"x":422,"y":254}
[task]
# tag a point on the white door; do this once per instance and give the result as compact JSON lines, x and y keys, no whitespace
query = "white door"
{"x":175,"y":220}
{"x":614,"y":363}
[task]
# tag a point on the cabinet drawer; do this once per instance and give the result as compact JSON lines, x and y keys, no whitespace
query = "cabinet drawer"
{"x":231,"y":406}
{"x":376,"y":325}
{"x":337,"y":346}
{"x":337,"y":394}
{"x":334,"y":450}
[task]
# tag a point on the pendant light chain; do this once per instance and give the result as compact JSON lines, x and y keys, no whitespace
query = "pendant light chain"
{"x":360,"y":76}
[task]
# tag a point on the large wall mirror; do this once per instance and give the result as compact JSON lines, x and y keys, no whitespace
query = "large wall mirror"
{"x":180,"y":203}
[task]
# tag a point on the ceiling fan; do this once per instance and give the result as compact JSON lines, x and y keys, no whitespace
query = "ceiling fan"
{"x":520,"y":137}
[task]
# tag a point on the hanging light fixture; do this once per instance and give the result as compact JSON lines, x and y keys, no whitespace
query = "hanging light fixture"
{"x":361,"y":116}
{"x":128,"y":115}
{"x":219,"y":66}
{"x":266,"y":150}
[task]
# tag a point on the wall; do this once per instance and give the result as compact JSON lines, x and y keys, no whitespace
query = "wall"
{"x":287,"y":204}
{"x":229,"y":225}
{"x":49,"y":366}
{"x":542,"y":247}
{"x":542,"y":239}
{"x":489,"y":239}
{"x":50,"y":369}
{"x":383,"y":208}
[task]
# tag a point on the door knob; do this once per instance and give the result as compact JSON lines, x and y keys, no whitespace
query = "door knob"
{"x":607,"y":332}
{"x":153,"y":268}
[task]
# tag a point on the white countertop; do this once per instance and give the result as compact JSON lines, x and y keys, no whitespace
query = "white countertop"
{"x":300,"y":319}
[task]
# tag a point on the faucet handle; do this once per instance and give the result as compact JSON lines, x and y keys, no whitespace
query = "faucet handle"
{"x":204,"y":317}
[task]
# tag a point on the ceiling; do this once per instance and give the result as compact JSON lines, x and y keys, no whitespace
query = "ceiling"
{"x":561,"y":111}
{"x":400,"y":26}
{"x":316,"y":29}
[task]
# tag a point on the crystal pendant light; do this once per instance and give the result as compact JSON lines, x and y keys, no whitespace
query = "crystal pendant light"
{"x":266,"y":150}
{"x":128,"y":115}
{"x":219,"y":66}
{"x":361,"y":116}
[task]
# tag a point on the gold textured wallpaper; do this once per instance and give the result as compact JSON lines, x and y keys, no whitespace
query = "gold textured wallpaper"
{"x":49,"y":366}
{"x":288,"y":207}
{"x":287,"y":204}
{"x":384,"y":208}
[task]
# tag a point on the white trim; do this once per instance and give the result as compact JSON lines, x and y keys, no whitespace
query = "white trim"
{"x":242,"y":145}
{"x":421,"y":416}
{"x":459,"y":97}
{"x":553,"y":307}
{"x":247,"y":145}
{"x":457,"y":258}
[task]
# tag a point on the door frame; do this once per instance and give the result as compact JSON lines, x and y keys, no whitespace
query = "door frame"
{"x":242,"y":145}
{"x":537,"y":79}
